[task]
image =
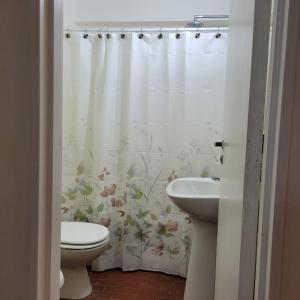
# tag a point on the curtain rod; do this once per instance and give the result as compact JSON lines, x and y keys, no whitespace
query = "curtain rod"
{"x":141,"y":30}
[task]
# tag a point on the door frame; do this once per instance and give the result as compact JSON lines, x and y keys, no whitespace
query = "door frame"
{"x":51,"y":26}
{"x":280,"y":99}
{"x":50,"y":148}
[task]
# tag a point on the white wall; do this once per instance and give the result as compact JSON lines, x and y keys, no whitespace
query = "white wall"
{"x":139,"y":10}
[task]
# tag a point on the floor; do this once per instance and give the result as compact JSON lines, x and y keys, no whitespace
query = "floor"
{"x":138,"y":285}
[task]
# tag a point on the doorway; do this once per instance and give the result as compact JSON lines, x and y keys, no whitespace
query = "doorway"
{"x":239,"y":210}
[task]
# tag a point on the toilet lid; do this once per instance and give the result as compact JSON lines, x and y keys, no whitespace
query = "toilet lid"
{"x":77,"y":233}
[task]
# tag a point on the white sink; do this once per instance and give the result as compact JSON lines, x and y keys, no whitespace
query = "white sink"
{"x":199,"y":197}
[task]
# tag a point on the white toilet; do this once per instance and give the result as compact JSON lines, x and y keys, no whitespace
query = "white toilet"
{"x":61,"y":279}
{"x":81,"y":243}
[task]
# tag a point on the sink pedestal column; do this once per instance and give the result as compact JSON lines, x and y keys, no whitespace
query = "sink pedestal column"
{"x":200,"y":283}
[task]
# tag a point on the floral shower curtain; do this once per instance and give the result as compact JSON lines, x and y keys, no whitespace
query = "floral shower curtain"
{"x":139,"y":111}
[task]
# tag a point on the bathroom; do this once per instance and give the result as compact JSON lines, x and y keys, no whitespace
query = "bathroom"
{"x":150,"y":149}
{"x":142,"y":141}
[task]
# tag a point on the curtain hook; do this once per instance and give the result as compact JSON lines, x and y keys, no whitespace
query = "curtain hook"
{"x":198,"y":34}
{"x":67,"y":34}
{"x":218,"y":34}
{"x":178,"y":35}
{"x":108,"y":35}
{"x":123,"y":35}
{"x":85,"y":35}
{"x":160,"y":35}
{"x":141,"y":35}
{"x":100,"y":36}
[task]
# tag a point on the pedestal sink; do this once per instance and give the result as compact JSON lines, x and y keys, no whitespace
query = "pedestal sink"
{"x":199,"y":197}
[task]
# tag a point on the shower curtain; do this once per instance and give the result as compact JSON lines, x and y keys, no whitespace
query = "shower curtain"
{"x":138,"y":112}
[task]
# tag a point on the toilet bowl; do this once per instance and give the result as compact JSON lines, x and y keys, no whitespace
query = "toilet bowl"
{"x":81,"y":243}
{"x":61,"y":279}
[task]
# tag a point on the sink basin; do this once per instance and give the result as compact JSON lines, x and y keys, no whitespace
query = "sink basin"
{"x":199,"y":197}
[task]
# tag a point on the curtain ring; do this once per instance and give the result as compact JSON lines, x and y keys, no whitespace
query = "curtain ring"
{"x":123,"y":35}
{"x":100,"y":36}
{"x":107,"y":35}
{"x":160,"y":35}
{"x":67,"y":34}
{"x":85,"y":35}
{"x":197,"y":34}
{"x":141,"y":35}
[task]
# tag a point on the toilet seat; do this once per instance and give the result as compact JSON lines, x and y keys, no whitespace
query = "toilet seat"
{"x":83,"y":247}
{"x":81,"y":236}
